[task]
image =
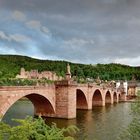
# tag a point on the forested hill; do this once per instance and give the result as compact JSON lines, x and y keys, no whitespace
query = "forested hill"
{"x":10,"y":66}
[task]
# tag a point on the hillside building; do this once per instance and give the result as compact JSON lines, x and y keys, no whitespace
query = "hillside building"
{"x":34,"y":74}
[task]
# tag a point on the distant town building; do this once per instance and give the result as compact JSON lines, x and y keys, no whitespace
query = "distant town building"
{"x":34,"y":74}
{"x":118,"y":84}
{"x":132,"y":87}
{"x":128,"y":87}
{"x":125,"y":85}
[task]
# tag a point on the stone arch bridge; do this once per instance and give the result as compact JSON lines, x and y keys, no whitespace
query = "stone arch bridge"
{"x":60,"y":100}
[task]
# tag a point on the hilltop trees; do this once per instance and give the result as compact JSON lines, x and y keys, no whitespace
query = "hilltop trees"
{"x":10,"y":67}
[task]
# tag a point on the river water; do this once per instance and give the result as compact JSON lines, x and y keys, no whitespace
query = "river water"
{"x":101,"y":123}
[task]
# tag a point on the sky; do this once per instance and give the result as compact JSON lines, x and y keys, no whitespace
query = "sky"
{"x":80,"y":31}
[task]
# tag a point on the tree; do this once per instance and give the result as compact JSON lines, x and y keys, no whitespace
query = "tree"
{"x":35,"y":129}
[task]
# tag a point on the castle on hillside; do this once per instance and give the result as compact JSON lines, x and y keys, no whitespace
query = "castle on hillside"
{"x":34,"y":74}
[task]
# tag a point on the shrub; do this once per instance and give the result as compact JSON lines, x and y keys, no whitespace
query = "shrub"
{"x":35,"y":129}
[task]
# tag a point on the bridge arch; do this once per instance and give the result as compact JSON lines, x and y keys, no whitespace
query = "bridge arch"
{"x":81,"y":100}
{"x":108,"y":99}
{"x":97,"y":98}
{"x":42,"y":105}
{"x":115,"y":99}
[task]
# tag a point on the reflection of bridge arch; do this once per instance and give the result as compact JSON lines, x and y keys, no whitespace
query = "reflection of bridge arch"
{"x":97,"y":99}
{"x":119,"y":97}
{"x":115,"y":97}
{"x":42,"y":105}
{"x":81,"y":101}
{"x":108,"y":97}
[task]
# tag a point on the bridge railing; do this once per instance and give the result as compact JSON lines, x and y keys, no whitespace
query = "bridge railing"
{"x":4,"y":88}
{"x":66,"y":82}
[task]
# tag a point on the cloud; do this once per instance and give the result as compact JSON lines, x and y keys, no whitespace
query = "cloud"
{"x":35,"y":24}
{"x":129,"y":61}
{"x":19,"y":38}
{"x":19,"y":16}
{"x":3,"y":50}
{"x":45,"y":30}
{"x":14,"y":37}
{"x":78,"y":42}
{"x":4,"y":36}
{"x":32,"y":24}
{"x":19,"y":50}
{"x":91,"y":31}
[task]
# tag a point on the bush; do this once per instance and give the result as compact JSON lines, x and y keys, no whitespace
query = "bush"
{"x":35,"y":129}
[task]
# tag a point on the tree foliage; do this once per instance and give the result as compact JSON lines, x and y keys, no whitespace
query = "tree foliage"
{"x":11,"y":64}
{"x":35,"y":129}
{"x":24,"y":82}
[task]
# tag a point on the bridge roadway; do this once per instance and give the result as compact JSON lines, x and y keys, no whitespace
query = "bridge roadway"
{"x":60,"y":100}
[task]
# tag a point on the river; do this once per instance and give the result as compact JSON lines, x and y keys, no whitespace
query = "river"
{"x":101,"y":123}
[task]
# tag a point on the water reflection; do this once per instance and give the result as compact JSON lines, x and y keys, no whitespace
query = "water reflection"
{"x":19,"y":110}
{"x":101,"y":123}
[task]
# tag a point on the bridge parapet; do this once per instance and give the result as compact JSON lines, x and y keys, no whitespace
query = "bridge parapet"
{"x":9,"y":88}
{"x":82,"y":85}
{"x":93,"y":85}
{"x":65,"y":83}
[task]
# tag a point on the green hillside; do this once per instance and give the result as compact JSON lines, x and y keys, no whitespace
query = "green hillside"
{"x":10,"y":66}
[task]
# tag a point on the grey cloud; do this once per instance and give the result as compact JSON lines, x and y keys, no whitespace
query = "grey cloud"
{"x":14,"y":37}
{"x":82,"y":30}
{"x":35,"y":24}
{"x":66,"y":6}
{"x":4,"y":36}
{"x":100,"y":50}
{"x":30,"y":23}
{"x":17,"y":15}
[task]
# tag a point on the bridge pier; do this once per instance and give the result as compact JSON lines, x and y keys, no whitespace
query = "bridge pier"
{"x":112,"y":98}
{"x":123,"y":97}
{"x":65,"y":99}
